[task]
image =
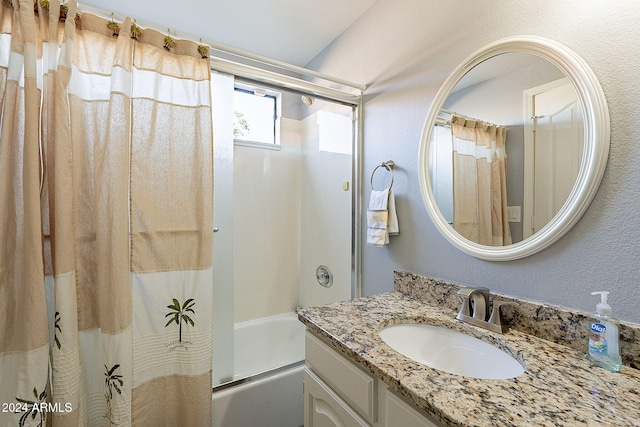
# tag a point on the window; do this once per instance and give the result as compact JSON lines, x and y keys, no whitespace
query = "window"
{"x":255,"y":115}
{"x":335,"y":132}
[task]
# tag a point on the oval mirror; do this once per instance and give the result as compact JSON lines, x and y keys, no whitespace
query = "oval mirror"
{"x":513,"y":148}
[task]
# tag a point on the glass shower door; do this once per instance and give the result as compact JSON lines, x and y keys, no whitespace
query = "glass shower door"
{"x":284,"y":213}
{"x":222,"y":110}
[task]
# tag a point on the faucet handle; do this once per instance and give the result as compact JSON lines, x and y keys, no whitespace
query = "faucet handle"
{"x":480,"y":302}
{"x":465,"y":308}
{"x":467,"y":293}
{"x":496,"y":315}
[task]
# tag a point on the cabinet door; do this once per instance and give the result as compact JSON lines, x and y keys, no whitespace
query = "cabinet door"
{"x":350,"y":382}
{"x":399,"y":413}
{"x":324,"y":408}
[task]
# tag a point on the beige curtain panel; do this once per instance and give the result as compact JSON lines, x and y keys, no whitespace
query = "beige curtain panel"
{"x":479,"y":182}
{"x":106,"y":223}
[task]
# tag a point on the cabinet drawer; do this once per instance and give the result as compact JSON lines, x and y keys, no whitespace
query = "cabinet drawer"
{"x":354,"y":385}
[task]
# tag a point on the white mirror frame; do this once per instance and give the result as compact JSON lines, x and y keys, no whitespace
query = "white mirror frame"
{"x":592,"y":166}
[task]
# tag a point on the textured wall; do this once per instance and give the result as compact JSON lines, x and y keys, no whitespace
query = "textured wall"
{"x":405,"y":49}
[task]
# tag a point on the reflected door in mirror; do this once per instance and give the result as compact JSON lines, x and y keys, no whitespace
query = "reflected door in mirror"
{"x":554,"y":139}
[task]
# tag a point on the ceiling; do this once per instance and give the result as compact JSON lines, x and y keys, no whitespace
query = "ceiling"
{"x":293,"y":31}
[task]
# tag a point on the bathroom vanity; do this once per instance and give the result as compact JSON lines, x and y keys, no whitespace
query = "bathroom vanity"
{"x":339,"y":392}
{"x":353,"y":378}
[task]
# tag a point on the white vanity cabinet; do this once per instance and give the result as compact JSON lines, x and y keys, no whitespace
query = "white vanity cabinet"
{"x":339,"y":393}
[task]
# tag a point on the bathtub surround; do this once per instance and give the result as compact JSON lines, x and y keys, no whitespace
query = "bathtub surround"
{"x":291,"y":214}
{"x":556,"y":324}
{"x":266,"y":220}
{"x":126,"y":222}
{"x":262,"y":345}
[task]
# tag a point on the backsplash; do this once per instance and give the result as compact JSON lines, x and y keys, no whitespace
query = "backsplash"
{"x":552,"y":323}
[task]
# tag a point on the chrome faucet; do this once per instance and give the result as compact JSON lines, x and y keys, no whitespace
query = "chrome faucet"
{"x":475,"y":309}
{"x":475,"y":303}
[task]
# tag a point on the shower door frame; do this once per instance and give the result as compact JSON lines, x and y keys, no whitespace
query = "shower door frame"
{"x":347,"y":95}
{"x":352,"y":98}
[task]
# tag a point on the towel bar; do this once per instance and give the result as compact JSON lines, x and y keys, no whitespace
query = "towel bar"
{"x":388,"y":165}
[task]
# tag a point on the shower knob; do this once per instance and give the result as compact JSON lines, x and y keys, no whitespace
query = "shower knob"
{"x":324,"y":276}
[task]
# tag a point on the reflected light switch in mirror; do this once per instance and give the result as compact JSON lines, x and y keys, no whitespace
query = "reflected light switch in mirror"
{"x":513,"y":213}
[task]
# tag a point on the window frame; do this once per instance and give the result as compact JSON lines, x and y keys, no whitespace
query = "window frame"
{"x":260,"y":91}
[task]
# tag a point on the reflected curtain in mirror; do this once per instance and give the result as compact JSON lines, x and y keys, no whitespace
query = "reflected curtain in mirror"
{"x":479,"y":182}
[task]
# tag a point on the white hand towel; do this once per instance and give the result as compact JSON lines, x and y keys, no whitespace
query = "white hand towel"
{"x":379,"y":200}
{"x":381,"y":217}
{"x":377,"y":218}
{"x":393,"y":217}
{"x":377,"y":233}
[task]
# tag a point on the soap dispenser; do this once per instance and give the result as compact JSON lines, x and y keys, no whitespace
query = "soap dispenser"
{"x":603,"y":336}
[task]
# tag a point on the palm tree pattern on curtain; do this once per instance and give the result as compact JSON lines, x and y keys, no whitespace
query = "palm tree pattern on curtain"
{"x":112,"y":382}
{"x":32,"y":410}
{"x":179,"y":314}
{"x":57,"y":328}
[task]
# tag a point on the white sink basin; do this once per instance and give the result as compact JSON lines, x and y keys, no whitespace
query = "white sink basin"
{"x":451,"y":351}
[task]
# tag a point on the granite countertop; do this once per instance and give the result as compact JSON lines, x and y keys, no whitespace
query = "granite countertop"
{"x":559,"y":386}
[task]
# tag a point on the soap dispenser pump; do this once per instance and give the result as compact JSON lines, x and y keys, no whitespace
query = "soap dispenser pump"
{"x":603,"y":336}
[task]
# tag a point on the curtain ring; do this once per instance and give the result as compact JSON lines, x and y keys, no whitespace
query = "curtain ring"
{"x":169,"y":42}
{"x":135,"y":30}
{"x":388,"y":165}
{"x":114,"y":26}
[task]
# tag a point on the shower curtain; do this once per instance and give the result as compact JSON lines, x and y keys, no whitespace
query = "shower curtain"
{"x":106,"y":194}
{"x":479,"y":182}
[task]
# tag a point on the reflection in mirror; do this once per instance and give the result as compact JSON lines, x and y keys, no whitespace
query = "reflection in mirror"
{"x":489,"y":87}
{"x":506,"y":149}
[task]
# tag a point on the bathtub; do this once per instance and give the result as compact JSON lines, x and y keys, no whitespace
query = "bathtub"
{"x":268,"y":374}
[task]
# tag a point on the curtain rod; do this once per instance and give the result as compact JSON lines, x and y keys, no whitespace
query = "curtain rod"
{"x":284,"y":65}
{"x":282,"y":80}
{"x":229,"y":50}
{"x":441,"y":120}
